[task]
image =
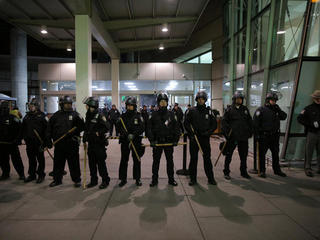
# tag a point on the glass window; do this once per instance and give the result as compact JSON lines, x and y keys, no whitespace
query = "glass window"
{"x":313,"y":40}
{"x":255,"y":92}
{"x":258,"y":45}
{"x":226,"y":94}
{"x":172,"y":85}
{"x":193,"y":60}
{"x":239,"y":84}
{"x":258,"y":5}
{"x":282,"y":81}
{"x":58,"y":85}
{"x":101,"y":85}
{"x":137,"y":85}
{"x":240,"y":43}
{"x":105,"y":100}
{"x":288,"y":27}
{"x":227,"y":18}
{"x":240,"y":14}
{"x":206,"y":57}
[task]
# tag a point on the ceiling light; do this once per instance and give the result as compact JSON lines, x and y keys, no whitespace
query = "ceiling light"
{"x":69,"y":48}
{"x":43,"y":30}
{"x":164,"y":27}
{"x":128,"y":83}
{"x":161,"y":46}
{"x":281,"y":32}
{"x":227,"y":83}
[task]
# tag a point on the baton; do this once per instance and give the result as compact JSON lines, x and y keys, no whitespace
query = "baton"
{"x":41,"y":142}
{"x":164,"y":144}
{"x":223,"y":147}
{"x":196,"y":138}
{"x":133,"y":147}
{"x":85,"y":166}
{"x":64,"y":135}
{"x":258,"y":156}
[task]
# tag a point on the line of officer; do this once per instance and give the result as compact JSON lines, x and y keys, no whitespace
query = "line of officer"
{"x":266,"y":122}
{"x":35,"y":120}
{"x":310,"y":118}
{"x":135,"y":126}
{"x":201,"y":123}
{"x":163,"y":127}
{"x":96,"y":128}
{"x":68,"y":148}
{"x":10,"y":138}
{"x":237,"y":128}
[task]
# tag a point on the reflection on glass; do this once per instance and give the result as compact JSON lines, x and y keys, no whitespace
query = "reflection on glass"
{"x":288,"y":29}
{"x":137,"y":85}
{"x":258,"y":45}
{"x":255,"y":92}
{"x":173,"y":85}
{"x":239,"y":84}
{"x":258,"y":5}
{"x":282,"y":81}
{"x":193,"y":60}
{"x":101,"y":85}
{"x":313,"y":40}
{"x":240,"y":51}
{"x":226,"y":94}
{"x":206,"y":58}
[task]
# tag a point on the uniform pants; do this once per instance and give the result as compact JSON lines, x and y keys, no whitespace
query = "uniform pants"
{"x":157,"y":152}
{"x":66,"y":151}
{"x":7,"y":150}
{"x":113,"y":125}
{"x":194,"y":149}
{"x":36,"y":157}
{"x":312,"y":144}
{"x":243,"y":153}
{"x":125,"y":152}
{"x":97,"y":162}
{"x":269,"y":142}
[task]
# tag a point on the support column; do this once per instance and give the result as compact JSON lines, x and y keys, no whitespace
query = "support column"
{"x":19,"y":70}
{"x":83,"y":61}
{"x":115,"y":81}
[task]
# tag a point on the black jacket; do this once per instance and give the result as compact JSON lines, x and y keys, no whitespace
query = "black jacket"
{"x":267,"y":119}
{"x":163,"y":127}
{"x":95,"y":123}
{"x":10,"y":129}
{"x":308,"y":116}
{"x":239,"y":120}
{"x":134,"y":123}
{"x":34,"y":121}
{"x":113,"y":115}
{"x":202,"y":120}
{"x":61,"y":122}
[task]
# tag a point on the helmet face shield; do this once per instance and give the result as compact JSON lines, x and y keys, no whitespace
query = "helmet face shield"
{"x":203,"y":95}
{"x":162,"y":96}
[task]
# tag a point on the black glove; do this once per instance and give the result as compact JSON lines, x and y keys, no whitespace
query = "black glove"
{"x":175,"y":144}
{"x":85,"y":138}
{"x":17,"y":142}
{"x":130,"y":137}
{"x":49,"y":144}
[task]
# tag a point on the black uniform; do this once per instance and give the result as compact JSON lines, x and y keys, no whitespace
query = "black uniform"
{"x":134,"y":123}
{"x":178,"y":112}
{"x":113,"y":117}
{"x":35,"y":121}
{"x":237,"y":119}
{"x":68,"y":148}
{"x":10,"y":138}
{"x":310,"y":119}
{"x":266,"y":121}
{"x":163,"y":127}
{"x":96,"y":128}
{"x":145,"y":116}
{"x":203,"y":122}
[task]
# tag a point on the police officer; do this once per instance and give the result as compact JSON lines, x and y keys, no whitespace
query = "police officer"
{"x":237,"y":128}
{"x":178,"y":112}
{"x":35,"y":122}
{"x":163,"y":127}
{"x":113,"y":117}
{"x":96,"y":128}
{"x":68,"y":148}
{"x":10,"y":139}
{"x":201,"y":123}
{"x":134,"y":124}
{"x":310,"y":118}
{"x":266,"y":121}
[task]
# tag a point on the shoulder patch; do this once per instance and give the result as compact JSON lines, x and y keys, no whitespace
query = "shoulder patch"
{"x":47,"y":119}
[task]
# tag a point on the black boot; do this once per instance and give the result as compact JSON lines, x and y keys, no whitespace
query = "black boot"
{"x":77,"y":184}
{"x":153,"y":183}
{"x":104,"y":184}
{"x":138,"y":183}
{"x":280,"y":173}
{"x":192,"y":182}
{"x":212,"y":181}
{"x":92,"y":184}
{"x":122,"y":183}
{"x":30,"y":179}
{"x":55,"y":183}
{"x":172,"y":182}
{"x":40,"y":179}
{"x":4,"y":177}
{"x":227,"y":176}
{"x":262,"y":175}
{"x":245,"y":175}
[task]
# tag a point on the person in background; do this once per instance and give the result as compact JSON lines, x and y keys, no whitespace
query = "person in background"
{"x":113,"y":117}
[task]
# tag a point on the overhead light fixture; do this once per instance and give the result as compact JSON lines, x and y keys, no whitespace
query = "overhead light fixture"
{"x":164,"y":27}
{"x":43,"y":30}
{"x":69,"y":48}
{"x":281,"y":32}
{"x":128,"y":83}
{"x":161,"y":46}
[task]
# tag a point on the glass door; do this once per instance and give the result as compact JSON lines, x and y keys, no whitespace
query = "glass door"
{"x":182,"y":100}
